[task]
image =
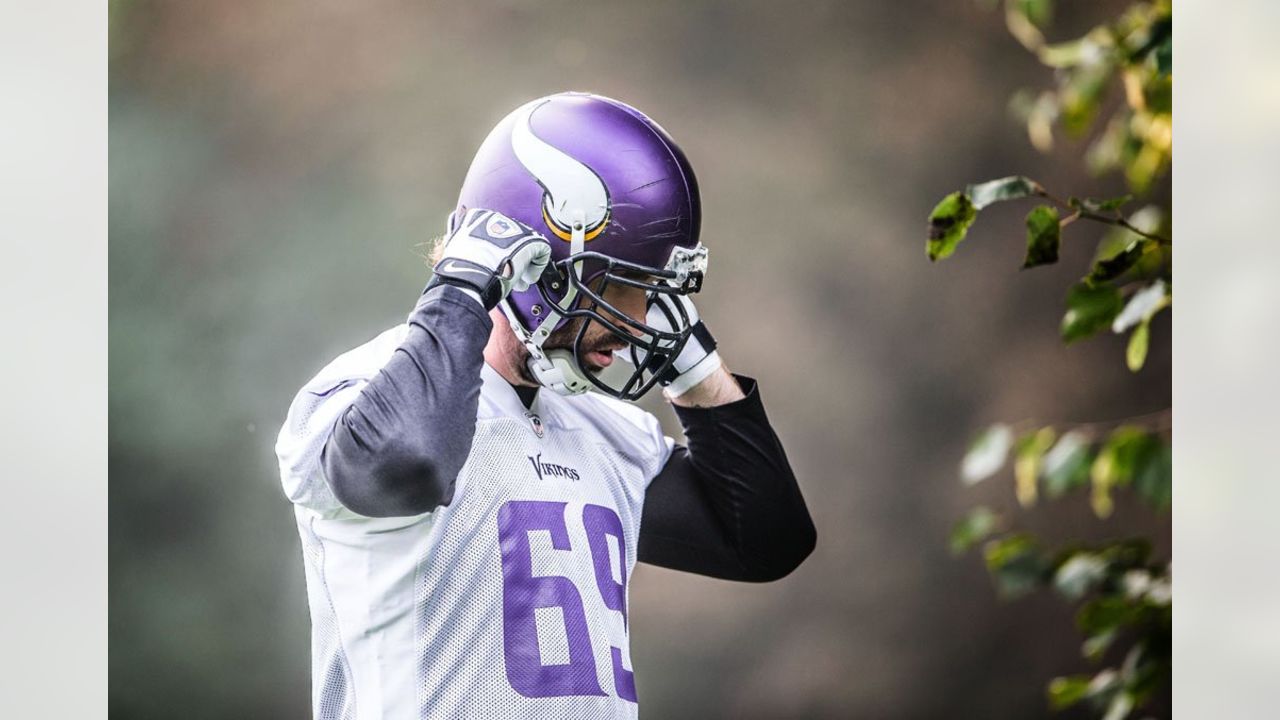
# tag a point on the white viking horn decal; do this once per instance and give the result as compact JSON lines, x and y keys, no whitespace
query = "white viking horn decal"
{"x":567,"y":184}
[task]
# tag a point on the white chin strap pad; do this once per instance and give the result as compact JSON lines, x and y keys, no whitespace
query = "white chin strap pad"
{"x":558,"y":372}
{"x":554,"y":369}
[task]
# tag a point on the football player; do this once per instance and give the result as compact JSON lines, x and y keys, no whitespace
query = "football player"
{"x":473,"y":489}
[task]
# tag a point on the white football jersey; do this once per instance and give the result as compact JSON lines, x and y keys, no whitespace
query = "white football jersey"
{"x":511,"y":602}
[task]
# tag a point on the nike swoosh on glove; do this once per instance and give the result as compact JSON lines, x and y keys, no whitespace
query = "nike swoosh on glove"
{"x":491,"y":255}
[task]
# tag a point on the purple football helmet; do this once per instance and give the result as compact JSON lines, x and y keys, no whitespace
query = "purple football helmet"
{"x":618,"y":201}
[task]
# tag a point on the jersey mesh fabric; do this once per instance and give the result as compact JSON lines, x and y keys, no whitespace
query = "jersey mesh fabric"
{"x":331,"y":697}
{"x":460,"y":588}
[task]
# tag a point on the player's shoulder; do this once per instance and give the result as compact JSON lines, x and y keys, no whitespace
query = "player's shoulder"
{"x":616,"y":419}
{"x":629,"y":429}
{"x":314,"y":410}
{"x":359,"y":363}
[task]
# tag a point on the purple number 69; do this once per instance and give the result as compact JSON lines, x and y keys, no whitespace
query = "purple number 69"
{"x":523,"y":594}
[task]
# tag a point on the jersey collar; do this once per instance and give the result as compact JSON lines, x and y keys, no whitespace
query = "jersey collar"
{"x":504,"y":395}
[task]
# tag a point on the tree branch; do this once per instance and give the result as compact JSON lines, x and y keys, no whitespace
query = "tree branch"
{"x":1117,"y":220}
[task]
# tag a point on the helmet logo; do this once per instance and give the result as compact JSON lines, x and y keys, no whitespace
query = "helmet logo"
{"x":567,"y":184}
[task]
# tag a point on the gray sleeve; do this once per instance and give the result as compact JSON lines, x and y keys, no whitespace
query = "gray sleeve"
{"x":397,"y":449}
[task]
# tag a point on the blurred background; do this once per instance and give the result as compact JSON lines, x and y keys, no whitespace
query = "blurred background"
{"x":276,"y":167}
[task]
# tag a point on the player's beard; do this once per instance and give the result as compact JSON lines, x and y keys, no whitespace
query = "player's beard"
{"x":597,"y":339}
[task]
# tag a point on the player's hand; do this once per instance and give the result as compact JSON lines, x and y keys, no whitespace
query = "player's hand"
{"x":491,"y":255}
{"x":698,"y":359}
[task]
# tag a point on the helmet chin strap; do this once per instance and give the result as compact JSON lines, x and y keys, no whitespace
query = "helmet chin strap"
{"x":554,"y":369}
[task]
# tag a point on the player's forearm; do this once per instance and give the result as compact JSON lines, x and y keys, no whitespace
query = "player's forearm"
{"x":398,"y":449}
{"x":719,"y":388}
{"x":752,"y":510}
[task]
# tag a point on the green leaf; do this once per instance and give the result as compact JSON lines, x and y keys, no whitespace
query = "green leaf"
{"x":1070,"y":53}
{"x":1128,"y":442}
{"x":948,"y":224}
{"x":1026,"y":466}
{"x":1005,"y":188}
{"x":1079,"y":575}
{"x":1164,"y":57}
{"x":1153,"y":475}
{"x":1038,"y":113}
{"x":1089,"y":309}
{"x":1102,"y":474}
{"x":1144,"y":672}
{"x":1115,"y":464}
{"x":1157,"y":93}
{"x":973,"y":528}
{"x":1108,"y":149}
{"x":1144,"y":253}
{"x":1115,"y":241}
{"x":1130,"y":553}
{"x":1095,"y":645}
{"x":1021,"y":28}
{"x":1044,"y":235}
{"x":1067,"y":691}
{"x":1081,"y":93}
{"x":1016,"y":564}
{"x":1112,"y":267}
{"x":1121,"y":250}
{"x":1160,"y":31}
{"x":1066,"y":466}
{"x":1106,"y":614}
{"x":1135,"y":355}
{"x":1039,"y":12}
{"x":1120,"y":707}
{"x":987,"y":454}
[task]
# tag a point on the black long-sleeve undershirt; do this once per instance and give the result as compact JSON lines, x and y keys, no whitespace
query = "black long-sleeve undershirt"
{"x":727,"y":506}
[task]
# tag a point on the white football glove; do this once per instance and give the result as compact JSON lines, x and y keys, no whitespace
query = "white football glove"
{"x":698,"y":359}
{"x":490,"y":255}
